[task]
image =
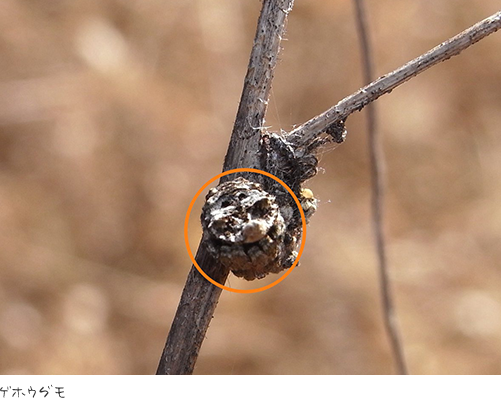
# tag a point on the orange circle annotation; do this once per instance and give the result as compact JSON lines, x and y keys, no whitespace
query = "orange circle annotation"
{"x":187,"y":218}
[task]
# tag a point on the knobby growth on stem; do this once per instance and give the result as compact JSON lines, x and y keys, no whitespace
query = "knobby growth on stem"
{"x":289,"y":156}
{"x":199,"y":298}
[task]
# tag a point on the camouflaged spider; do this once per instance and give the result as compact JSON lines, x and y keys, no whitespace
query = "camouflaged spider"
{"x":252,"y":228}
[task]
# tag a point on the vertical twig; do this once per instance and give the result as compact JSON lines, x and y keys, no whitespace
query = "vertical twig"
{"x":244,"y":144}
{"x":199,"y":298}
{"x":376,"y":155}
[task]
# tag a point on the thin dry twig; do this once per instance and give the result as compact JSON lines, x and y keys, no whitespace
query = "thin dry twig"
{"x":199,"y":298}
{"x":376,"y":155}
{"x":308,"y":131}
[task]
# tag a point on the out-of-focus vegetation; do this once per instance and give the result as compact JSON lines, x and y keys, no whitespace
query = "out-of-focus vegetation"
{"x":114,"y":112}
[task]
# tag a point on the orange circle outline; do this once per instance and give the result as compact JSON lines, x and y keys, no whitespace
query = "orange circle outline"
{"x":303,"y":238}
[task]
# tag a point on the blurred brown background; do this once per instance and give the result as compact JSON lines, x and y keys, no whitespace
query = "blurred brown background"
{"x":114,"y":112}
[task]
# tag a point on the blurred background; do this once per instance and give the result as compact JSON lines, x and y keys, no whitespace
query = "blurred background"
{"x":113,"y":113}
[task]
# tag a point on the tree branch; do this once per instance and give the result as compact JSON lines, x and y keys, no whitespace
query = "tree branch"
{"x":310,"y":130}
{"x":244,"y":143}
{"x":199,"y":298}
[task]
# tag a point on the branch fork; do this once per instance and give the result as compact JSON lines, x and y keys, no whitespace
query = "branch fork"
{"x":289,"y":155}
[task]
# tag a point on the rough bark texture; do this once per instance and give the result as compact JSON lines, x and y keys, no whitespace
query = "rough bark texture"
{"x":244,"y":144}
{"x":194,"y":312}
{"x":199,"y":298}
